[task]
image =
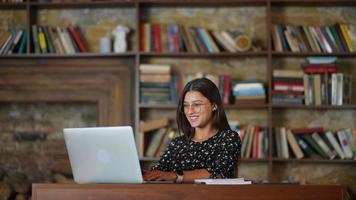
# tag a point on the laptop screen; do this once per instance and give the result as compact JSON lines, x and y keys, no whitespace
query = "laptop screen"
{"x":103,"y":155}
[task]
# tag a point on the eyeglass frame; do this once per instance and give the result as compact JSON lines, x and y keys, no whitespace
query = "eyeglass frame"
{"x":191,"y":106}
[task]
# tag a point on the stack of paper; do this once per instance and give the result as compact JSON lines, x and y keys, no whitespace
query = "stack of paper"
{"x":232,"y":181}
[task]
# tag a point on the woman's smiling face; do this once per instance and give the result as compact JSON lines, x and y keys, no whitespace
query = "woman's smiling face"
{"x":198,"y":109}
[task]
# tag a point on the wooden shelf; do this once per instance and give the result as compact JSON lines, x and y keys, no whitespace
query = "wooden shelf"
{"x":307,"y":160}
{"x":313,"y":107}
{"x":246,"y":106}
{"x":252,"y":160}
{"x":21,"y":5}
{"x":204,"y":3}
{"x":206,"y":55}
{"x":312,"y":3}
{"x":95,"y":4}
{"x":76,"y":55}
{"x":159,"y":106}
{"x":304,"y":54}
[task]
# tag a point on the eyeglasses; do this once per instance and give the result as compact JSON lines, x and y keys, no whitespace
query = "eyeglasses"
{"x":195,"y":107}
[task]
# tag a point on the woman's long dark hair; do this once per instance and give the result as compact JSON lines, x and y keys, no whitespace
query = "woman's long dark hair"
{"x":209,"y":90}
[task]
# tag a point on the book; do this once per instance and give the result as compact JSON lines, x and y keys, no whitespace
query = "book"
{"x":228,"y":181}
{"x":245,"y":140}
{"x":147,"y":37}
{"x":184,"y":37}
{"x":228,"y":38}
{"x":155,"y":141}
{"x":294,"y":145}
{"x":277,"y":135}
{"x":337,"y":38}
{"x":69,"y":40}
{"x":9,"y":43}
{"x":6,"y":43}
{"x":35,"y":39}
{"x":49,"y":39}
{"x":323,"y":145}
{"x":344,"y":143}
{"x":15,"y":42}
{"x":248,"y":151}
{"x":351,"y":140}
{"x":255,"y":142}
{"x":317,"y":89}
{"x":276,"y":38}
{"x":288,"y":73}
{"x":164,"y":37}
{"x":307,"y":130}
{"x":211,"y":41}
{"x":156,"y":37}
{"x":342,"y":37}
{"x":3,"y":37}
{"x":170,"y":134}
{"x":155,"y":68}
{"x":307,"y":150}
{"x":309,"y":139}
{"x":205,"y":40}
{"x":77,"y":38}
{"x":321,"y":59}
{"x":188,"y":34}
{"x":153,"y":124}
{"x":335,"y":144}
{"x":58,"y":48}
{"x":284,"y":144}
{"x":313,"y":45}
{"x":346,"y":35}
{"x":22,"y":46}
{"x":42,"y":40}
{"x":62,"y":40}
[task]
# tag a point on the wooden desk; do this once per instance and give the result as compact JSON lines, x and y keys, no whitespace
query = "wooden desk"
{"x":185,"y":191}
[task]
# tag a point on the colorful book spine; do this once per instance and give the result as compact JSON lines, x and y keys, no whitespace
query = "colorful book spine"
{"x":78,"y":40}
{"x":42,"y":40}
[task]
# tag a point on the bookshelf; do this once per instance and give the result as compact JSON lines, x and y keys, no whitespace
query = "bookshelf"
{"x":261,"y":62}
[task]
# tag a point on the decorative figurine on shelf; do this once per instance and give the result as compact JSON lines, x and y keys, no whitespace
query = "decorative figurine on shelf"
{"x":120,"y":43}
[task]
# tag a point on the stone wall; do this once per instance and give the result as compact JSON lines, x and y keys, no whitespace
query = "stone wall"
{"x":31,"y":140}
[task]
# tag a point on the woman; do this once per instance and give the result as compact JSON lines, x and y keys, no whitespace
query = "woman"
{"x":207,"y":148}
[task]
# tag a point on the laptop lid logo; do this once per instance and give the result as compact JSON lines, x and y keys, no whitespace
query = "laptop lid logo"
{"x":103,"y":156}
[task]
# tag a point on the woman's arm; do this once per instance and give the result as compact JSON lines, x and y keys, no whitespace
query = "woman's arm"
{"x":188,"y":176}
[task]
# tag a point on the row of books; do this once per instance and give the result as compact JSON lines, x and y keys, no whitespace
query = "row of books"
{"x":317,"y":84}
{"x":155,"y":137}
{"x":313,"y":89}
{"x":180,"y":38}
{"x":254,"y":142}
{"x":11,"y":1}
{"x":246,"y":92}
{"x":156,"y":84}
{"x":339,"y":37}
{"x":57,"y":40}
{"x":314,"y":142}
{"x":13,"y":42}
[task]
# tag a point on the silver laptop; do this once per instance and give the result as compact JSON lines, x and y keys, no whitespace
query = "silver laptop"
{"x":103,"y":155}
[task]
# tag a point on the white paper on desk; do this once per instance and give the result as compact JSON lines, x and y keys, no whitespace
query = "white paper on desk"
{"x":231,"y":181}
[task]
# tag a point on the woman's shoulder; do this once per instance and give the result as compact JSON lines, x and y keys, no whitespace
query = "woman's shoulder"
{"x":179,"y":139}
{"x":229,"y":134}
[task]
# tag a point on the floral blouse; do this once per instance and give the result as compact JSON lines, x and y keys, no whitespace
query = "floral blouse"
{"x":218,"y":155}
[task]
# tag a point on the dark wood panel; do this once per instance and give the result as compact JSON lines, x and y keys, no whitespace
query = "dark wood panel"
{"x":108,"y":87}
{"x":186,"y":191}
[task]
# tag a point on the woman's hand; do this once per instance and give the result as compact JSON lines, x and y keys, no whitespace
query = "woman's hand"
{"x":156,"y":175}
